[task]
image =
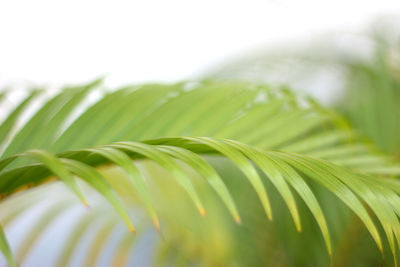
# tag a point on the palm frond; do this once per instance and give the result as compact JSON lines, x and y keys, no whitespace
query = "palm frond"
{"x":265,"y":132}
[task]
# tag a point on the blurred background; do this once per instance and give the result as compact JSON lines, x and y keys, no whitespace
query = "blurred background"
{"x":56,"y":42}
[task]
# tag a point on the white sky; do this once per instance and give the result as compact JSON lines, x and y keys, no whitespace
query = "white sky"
{"x":55,"y":42}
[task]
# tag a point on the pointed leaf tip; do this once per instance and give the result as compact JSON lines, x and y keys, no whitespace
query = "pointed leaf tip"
{"x":86,"y":204}
{"x":202,"y":212}
{"x":132,"y":229}
{"x":238,"y":220}
{"x":156,"y":224}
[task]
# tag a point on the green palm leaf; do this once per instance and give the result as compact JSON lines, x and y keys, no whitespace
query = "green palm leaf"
{"x":272,"y":137}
